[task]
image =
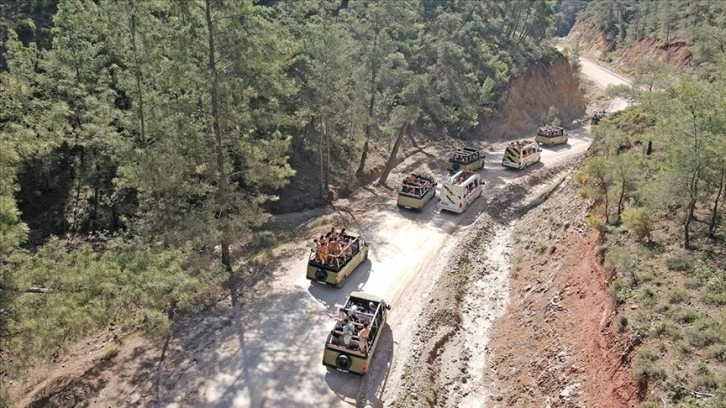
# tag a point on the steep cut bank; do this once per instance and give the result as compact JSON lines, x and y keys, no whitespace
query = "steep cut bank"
{"x":595,"y":42}
{"x":542,"y":85}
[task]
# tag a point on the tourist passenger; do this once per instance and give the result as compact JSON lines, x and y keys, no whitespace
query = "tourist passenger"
{"x":347,"y":332}
{"x":363,"y":338}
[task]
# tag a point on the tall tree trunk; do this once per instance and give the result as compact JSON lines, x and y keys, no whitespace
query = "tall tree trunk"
{"x":327,"y":153}
{"x":620,"y":199}
{"x":222,"y":183}
{"x":714,"y":213}
{"x":394,"y":153}
{"x":322,"y":168}
{"x":369,"y":122}
{"x":138,"y":76}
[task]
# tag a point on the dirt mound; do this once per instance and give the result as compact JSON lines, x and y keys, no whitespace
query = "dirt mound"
{"x":542,"y":85}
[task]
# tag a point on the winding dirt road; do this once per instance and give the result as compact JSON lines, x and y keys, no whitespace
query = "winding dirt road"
{"x":271,"y":355}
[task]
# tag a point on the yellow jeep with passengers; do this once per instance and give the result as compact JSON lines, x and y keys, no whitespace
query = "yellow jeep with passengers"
{"x":357,"y":332}
{"x":466,"y":159}
{"x":416,"y":191}
{"x":340,"y":256}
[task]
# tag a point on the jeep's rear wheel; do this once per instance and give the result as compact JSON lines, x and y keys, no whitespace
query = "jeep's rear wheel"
{"x":341,"y":282}
{"x":343,"y":362}
{"x":320,"y":275}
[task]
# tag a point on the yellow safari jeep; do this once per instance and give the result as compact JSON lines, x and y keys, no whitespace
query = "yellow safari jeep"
{"x":351,"y":344}
{"x":416,"y":191}
{"x":466,"y":159}
{"x":551,"y":135}
{"x":334,"y":266}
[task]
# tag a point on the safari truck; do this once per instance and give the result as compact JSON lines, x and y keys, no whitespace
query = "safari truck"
{"x":457,"y":192}
{"x":334,"y":262}
{"x":466,"y":159}
{"x":416,"y":191}
{"x":520,"y":154}
{"x":551,"y":135}
{"x":597,"y":116}
{"x":357,"y":332}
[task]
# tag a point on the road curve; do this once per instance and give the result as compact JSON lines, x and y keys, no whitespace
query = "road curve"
{"x":271,"y":355}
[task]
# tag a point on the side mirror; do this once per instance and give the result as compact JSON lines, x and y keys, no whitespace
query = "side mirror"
{"x":388,"y":307}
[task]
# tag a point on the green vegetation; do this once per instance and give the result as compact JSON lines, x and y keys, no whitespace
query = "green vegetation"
{"x":152,"y":136}
{"x":698,"y":23}
{"x":658,"y":178}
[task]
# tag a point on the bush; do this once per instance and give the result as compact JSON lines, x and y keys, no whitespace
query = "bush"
{"x":687,"y":316}
{"x":679,"y":263}
{"x":646,"y":367}
{"x":705,"y":332}
{"x":718,"y":352}
{"x":677,"y":295}
{"x":638,"y":221}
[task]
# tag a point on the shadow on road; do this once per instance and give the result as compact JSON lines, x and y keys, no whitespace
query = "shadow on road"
{"x":374,"y":383}
{"x":330,"y":296}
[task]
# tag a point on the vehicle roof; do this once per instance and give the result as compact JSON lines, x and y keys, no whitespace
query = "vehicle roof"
{"x":365,"y":296}
{"x":452,"y":179}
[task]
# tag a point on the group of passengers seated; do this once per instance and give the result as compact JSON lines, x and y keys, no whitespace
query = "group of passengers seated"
{"x":550,"y":131}
{"x":417,"y":184}
{"x":461,"y":155}
{"x":353,"y":330}
{"x":517,"y":145}
{"x":465,"y":174}
{"x":333,"y":248}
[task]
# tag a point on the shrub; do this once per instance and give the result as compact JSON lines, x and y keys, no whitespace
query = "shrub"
{"x":646,"y":366}
{"x":648,"y":297}
{"x":638,"y":221}
{"x":679,"y":263}
{"x":687,"y":316}
{"x":619,"y":292}
{"x":665,"y":329}
{"x":684,"y":348}
{"x":705,"y":332}
{"x":649,"y":404}
{"x":718,"y":352}
{"x":677,"y":295}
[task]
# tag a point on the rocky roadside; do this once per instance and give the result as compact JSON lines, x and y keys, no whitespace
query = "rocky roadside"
{"x":554,"y":347}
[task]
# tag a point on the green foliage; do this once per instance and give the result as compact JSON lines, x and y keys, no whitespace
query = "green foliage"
{"x":626,"y":21}
{"x":646,"y":366}
{"x":638,"y":221}
{"x":65,"y":294}
{"x":551,"y":117}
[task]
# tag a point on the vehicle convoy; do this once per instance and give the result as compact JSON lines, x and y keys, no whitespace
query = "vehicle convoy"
{"x":466,"y":159}
{"x":521,"y":154}
{"x":551,"y":135}
{"x":351,"y":344}
{"x":457,"y":192}
{"x":335,"y":256}
{"x":416,"y":191}
{"x":597,"y":116}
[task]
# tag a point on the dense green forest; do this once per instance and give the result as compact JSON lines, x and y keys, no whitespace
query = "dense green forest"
{"x":139,"y":140}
